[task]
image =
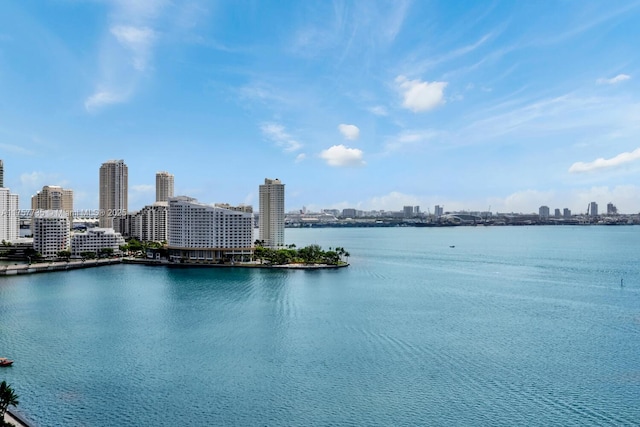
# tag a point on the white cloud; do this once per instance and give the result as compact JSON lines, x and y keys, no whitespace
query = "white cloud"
{"x":33,"y":179}
{"x":420,"y":96}
{"x":126,"y":51}
{"x":617,"y":79}
{"x":15,"y":149}
{"x":601,"y":163}
{"x":300,"y":157}
{"x":625,"y":197}
{"x":393,"y":201}
{"x":31,"y":183}
{"x":411,"y":138}
{"x":138,"y":40}
{"x":378,"y":110}
{"x":339,"y":155}
{"x":102,"y":98}
{"x":277,"y":133}
{"x":350,"y":132}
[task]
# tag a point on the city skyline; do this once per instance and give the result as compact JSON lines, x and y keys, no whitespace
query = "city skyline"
{"x":364,"y":105}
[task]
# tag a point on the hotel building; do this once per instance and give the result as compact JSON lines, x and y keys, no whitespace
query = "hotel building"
{"x":114,"y":189}
{"x":50,"y":232}
{"x":271,"y":222}
{"x":203,"y":233}
{"x":164,"y":186}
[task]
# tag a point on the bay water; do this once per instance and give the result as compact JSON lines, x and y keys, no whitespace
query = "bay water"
{"x":427,"y":326}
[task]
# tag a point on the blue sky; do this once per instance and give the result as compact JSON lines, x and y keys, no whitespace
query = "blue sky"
{"x":364,"y":104}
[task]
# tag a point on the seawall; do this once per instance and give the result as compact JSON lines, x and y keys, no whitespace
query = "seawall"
{"x":46,"y":267}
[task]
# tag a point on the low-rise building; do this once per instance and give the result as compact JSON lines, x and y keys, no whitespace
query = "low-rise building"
{"x":95,"y":240}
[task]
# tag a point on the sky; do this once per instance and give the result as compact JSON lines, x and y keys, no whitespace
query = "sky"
{"x":373,"y":105}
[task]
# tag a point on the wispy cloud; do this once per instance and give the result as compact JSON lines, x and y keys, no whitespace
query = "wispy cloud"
{"x":602,"y":163}
{"x":138,"y":40}
{"x":563,"y":113}
{"x":15,"y":149}
{"x":350,"y":132}
{"x":378,"y":110}
{"x":278,"y":134}
{"x":617,"y":79}
{"x":409,"y":138}
{"x":419,"y":96}
{"x":340,"y":26}
{"x":103,"y":97}
{"x":342,"y":156}
{"x":126,"y":51}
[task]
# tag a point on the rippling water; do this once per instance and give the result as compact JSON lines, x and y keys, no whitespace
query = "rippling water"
{"x":512,"y":326}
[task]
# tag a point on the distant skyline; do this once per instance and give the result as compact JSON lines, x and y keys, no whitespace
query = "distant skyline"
{"x":359,"y":104}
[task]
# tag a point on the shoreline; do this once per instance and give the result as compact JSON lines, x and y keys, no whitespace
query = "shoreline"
{"x":15,"y":419}
{"x":54,"y":266}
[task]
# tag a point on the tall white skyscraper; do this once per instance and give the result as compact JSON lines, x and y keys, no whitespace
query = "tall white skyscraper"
{"x":164,"y":186}
{"x":271,"y":221}
{"x":114,"y":190}
{"x":9,"y":217}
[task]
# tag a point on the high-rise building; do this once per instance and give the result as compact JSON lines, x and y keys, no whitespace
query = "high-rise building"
{"x":593,"y":209}
{"x":566,"y":213}
{"x":114,"y":189}
{"x":1,"y":174}
{"x":438,"y":211}
{"x":9,"y":217}
{"x":611,"y":209}
{"x":164,"y":186}
{"x":150,"y":223}
{"x":198,"y":232}
{"x":271,"y":221}
{"x":53,"y":197}
{"x":50,"y":232}
{"x":408,"y":211}
{"x":543,"y":212}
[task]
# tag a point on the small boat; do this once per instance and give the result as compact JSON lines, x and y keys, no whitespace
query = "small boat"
{"x":5,"y":362}
{"x":452,"y":246}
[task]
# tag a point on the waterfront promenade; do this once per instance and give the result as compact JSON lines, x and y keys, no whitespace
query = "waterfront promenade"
{"x":15,"y":420}
{"x":47,"y":267}
{"x":44,"y":267}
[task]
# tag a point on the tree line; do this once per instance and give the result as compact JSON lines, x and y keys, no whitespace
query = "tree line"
{"x":312,"y":254}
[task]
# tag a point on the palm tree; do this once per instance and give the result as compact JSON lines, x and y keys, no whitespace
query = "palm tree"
{"x":7,"y":398}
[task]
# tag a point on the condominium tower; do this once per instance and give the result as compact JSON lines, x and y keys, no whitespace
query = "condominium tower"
{"x":53,"y":197}
{"x":9,"y":217}
{"x":114,"y":179}
{"x":164,"y":186}
{"x":271,"y":221}
{"x":50,"y":230}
